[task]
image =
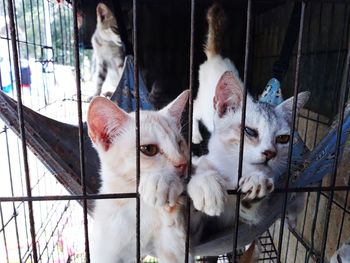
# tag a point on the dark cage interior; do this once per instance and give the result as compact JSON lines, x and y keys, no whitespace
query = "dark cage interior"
{"x":47,"y":66}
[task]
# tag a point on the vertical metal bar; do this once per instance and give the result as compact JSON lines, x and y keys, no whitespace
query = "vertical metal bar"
{"x":44,"y":23}
{"x":70,"y":42}
{"x":25,"y":29}
{"x":296,"y":86}
{"x":12,"y":193}
{"x":80,"y":120}
{"x":39,"y":28}
{"x":319,"y":192}
{"x":33,"y":30}
{"x":343,"y":98}
{"x":61,"y":29}
{"x":343,"y":215}
{"x":243,"y":117}
{"x":190,"y":118}
{"x":4,"y":233}
{"x":21,"y":124}
{"x":137,"y":128}
{"x":308,"y":113}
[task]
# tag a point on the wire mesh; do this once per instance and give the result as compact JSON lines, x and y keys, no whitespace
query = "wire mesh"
{"x":41,"y":222}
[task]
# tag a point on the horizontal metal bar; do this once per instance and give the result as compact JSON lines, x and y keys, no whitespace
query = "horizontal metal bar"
{"x":67,"y":197}
{"x":26,"y":42}
{"x":134,"y":195}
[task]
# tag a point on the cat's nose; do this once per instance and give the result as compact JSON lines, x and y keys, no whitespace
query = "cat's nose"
{"x":181,"y":168}
{"x":269,"y":154}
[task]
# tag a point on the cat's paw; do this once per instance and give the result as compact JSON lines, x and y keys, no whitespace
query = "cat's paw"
{"x":256,"y":186}
{"x":196,"y":135}
{"x":207,"y":192}
{"x":159,"y":190}
{"x":197,"y":138}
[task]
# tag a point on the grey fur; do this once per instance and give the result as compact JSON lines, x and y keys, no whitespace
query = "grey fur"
{"x":109,"y":53}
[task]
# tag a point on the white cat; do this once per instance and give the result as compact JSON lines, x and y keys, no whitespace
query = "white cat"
{"x":108,"y":51}
{"x":342,"y":255}
{"x":266,"y":135}
{"x":210,"y":72}
{"x":163,"y":164}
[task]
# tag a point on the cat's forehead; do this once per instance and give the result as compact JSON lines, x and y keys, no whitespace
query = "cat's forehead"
{"x":260,"y":111}
{"x":156,"y":125}
{"x":264,"y":116}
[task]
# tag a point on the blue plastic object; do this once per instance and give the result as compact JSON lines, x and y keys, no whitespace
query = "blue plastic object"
{"x":272,"y":93}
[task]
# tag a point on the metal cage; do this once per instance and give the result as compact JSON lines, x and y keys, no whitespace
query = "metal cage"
{"x":40,"y":221}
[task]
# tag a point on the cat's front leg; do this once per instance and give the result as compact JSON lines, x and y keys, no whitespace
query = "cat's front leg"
{"x":256,"y":185}
{"x":158,"y":190}
{"x":207,"y":189}
{"x":196,"y":135}
{"x":169,"y":244}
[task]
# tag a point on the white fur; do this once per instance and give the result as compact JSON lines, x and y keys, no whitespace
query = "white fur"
{"x":223,"y":156}
{"x":209,"y":74}
{"x":113,"y":237}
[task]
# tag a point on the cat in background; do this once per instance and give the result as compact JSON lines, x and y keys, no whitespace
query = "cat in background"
{"x":108,"y":52}
{"x":342,"y":255}
{"x":266,"y":136}
{"x":210,"y":72}
{"x":163,"y":165}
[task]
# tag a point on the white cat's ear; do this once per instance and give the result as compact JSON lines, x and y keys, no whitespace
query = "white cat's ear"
{"x":105,"y":121}
{"x":228,"y":93}
{"x":286,"y":107}
{"x":176,"y":107}
{"x":103,"y":12}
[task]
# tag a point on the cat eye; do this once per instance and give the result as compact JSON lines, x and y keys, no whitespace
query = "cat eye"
{"x":282,"y":139}
{"x":149,"y":149}
{"x":251,"y":132}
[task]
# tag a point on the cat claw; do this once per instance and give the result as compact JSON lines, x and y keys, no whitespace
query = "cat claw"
{"x":208,"y":193}
{"x":255,"y":186}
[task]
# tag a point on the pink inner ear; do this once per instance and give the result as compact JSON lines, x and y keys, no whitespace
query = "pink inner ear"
{"x":178,"y":105}
{"x":102,"y":11}
{"x":104,"y":120}
{"x":228,"y":93}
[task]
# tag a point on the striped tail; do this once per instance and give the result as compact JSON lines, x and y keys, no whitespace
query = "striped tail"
{"x":216,"y":18}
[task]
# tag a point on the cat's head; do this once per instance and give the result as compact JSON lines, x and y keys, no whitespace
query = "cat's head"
{"x":267,"y":130}
{"x":107,"y":26}
{"x":162,"y":147}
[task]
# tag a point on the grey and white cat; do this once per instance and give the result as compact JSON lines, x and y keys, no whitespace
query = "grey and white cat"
{"x":342,"y":255}
{"x":266,"y":136}
{"x":108,"y":52}
{"x":163,"y":164}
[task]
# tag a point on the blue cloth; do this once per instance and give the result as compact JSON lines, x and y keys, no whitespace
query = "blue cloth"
{"x":320,"y":161}
{"x":124,"y":94}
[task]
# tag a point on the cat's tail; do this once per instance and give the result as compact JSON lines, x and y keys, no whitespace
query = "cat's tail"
{"x":216,"y":18}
